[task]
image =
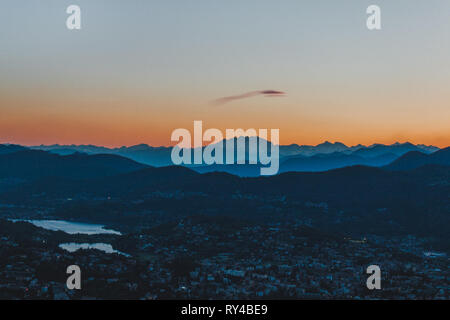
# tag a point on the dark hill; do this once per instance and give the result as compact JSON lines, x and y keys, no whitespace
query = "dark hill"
{"x":359,"y":198}
{"x":324,"y":162}
{"x":415,"y":159}
{"x":35,"y":164}
{"x":10,"y":148}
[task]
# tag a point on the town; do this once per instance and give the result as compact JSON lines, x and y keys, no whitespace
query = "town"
{"x":205,"y":258}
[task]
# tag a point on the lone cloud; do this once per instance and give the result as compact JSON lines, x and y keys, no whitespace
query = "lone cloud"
{"x":267,"y":93}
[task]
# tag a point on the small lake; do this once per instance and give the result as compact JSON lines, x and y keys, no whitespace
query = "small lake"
{"x":70,"y":227}
{"x":105,"y":247}
{"x":431,"y":254}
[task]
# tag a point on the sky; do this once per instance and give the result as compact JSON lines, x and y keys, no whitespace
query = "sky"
{"x":137,"y":70}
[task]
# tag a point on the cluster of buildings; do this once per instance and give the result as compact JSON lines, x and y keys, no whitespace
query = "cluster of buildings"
{"x":215,"y":260}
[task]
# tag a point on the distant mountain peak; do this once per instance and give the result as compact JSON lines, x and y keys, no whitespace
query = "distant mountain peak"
{"x":328,"y":143}
{"x":142,"y":146}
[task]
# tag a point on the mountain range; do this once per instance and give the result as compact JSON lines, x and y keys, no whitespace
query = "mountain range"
{"x":300,"y":158}
{"x":410,"y":195}
{"x":35,"y":164}
{"x":415,"y":159}
{"x":10,"y":148}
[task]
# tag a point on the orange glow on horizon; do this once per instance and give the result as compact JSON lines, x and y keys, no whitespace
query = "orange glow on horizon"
{"x":125,"y":120}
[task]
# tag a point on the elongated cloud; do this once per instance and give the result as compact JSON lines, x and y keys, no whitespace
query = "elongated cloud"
{"x":267,"y":93}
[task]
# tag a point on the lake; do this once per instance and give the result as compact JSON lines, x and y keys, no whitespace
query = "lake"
{"x":70,"y":227}
{"x":431,"y":254}
{"x":107,"y":248}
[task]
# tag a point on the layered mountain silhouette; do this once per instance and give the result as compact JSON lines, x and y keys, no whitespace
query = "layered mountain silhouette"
{"x":323,"y":148}
{"x":35,"y":164}
{"x":355,"y":183}
{"x":10,"y":148}
{"x":301,"y":158}
{"x":408,"y":196}
{"x":106,"y":173}
{"x":324,"y":162}
{"x":143,"y":153}
{"x":415,"y":159}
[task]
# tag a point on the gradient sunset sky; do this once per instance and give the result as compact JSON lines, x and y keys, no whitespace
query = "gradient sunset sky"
{"x":137,"y":70}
